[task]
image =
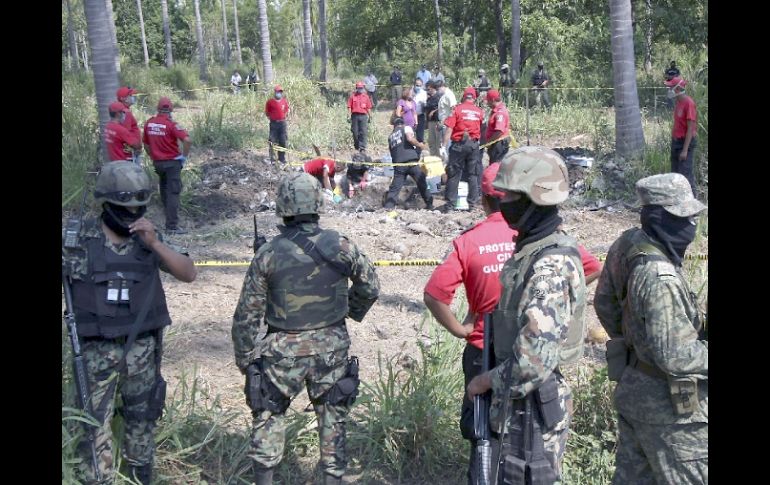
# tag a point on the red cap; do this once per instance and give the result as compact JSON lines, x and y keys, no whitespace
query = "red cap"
{"x":117,"y":107}
{"x":165,"y":104}
{"x":125,"y":91}
{"x":493,"y":95}
{"x":486,"y":181}
{"x":359,"y":84}
{"x":277,"y":88}
{"x":469,"y":91}
{"x":676,"y":81}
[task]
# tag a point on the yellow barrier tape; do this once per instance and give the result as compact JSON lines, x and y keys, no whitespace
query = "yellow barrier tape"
{"x":408,"y":262}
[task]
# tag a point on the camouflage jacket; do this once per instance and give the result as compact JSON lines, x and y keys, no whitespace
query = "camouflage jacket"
{"x":660,"y":321}
{"x":543,"y":313}
{"x":252,"y":305}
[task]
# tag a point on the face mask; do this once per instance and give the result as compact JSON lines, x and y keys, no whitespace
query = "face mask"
{"x":278,"y":95}
{"x":132,"y":99}
{"x":118,"y":218}
{"x":417,"y":89}
{"x":360,"y":90}
{"x":513,"y":211}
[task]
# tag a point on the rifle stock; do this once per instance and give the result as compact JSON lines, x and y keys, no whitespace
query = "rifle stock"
{"x":481,"y":414}
{"x":258,"y":240}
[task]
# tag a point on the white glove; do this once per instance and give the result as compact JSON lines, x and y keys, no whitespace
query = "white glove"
{"x":442,"y":151}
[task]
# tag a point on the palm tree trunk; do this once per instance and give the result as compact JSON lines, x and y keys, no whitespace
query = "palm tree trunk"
{"x":629,"y":137}
{"x":84,"y":50}
{"x":239,"y":58}
{"x":500,"y":31}
{"x":226,"y":50}
{"x":440,"y":47}
{"x":515,"y":39}
{"x":307,"y":40}
{"x":199,"y":34}
{"x":322,"y":36}
{"x":144,"y":37}
{"x":73,"y":45}
{"x":167,"y":33}
{"x":103,"y":61}
{"x":264,"y":40}
{"x":114,"y":34}
{"x":648,"y":39}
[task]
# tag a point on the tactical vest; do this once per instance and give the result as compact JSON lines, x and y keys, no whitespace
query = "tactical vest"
{"x":107,"y":301}
{"x":505,"y":319}
{"x":303,"y":294}
{"x":400,"y":148}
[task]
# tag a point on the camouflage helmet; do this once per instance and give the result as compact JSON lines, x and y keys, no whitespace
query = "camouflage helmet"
{"x":536,"y":171}
{"x":299,"y":193}
{"x":123,"y":183}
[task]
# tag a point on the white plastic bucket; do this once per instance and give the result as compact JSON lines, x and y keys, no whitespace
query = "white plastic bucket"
{"x":462,"y":196}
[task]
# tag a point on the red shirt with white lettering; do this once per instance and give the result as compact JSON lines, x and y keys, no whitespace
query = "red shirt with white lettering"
{"x":359,"y":103}
{"x":316,"y":166}
{"x":277,"y":109}
{"x":476,"y":260}
{"x":116,"y":137}
{"x":499,"y":120}
{"x":683,"y":111}
{"x":161,"y":134}
{"x":465,"y":116}
{"x":130,"y":123}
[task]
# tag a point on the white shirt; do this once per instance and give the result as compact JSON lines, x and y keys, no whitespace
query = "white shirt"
{"x":419,"y":101}
{"x":235,"y":79}
{"x":369,"y":83}
{"x":445,"y":104}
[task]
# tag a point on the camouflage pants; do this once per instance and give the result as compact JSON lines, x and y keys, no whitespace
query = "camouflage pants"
{"x":318,"y":373}
{"x":134,"y":385}
{"x":661,"y":454}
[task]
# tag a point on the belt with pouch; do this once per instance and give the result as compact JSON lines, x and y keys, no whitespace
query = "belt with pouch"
{"x":645,"y":368}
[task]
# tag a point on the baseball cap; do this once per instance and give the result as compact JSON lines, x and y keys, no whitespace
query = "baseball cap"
{"x":117,"y":107}
{"x":486,"y":181}
{"x":398,"y":121}
{"x":125,"y":91}
{"x":493,"y":95}
{"x":675,"y":81}
{"x":359,"y":84}
{"x":469,"y":91}
{"x":671,"y":191}
{"x":165,"y":103}
{"x":278,"y":88}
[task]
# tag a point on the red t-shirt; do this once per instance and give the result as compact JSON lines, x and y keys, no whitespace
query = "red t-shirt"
{"x":277,"y":109}
{"x":476,"y":260}
{"x":116,"y":137}
{"x":315,"y":167}
{"x":683,"y":111}
{"x":162,"y":133}
{"x":465,"y":116}
{"x":131,"y":124}
{"x":359,"y":103}
{"x":499,"y":120}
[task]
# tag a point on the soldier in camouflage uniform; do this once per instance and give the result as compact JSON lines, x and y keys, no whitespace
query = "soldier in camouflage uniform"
{"x":114,"y":274}
{"x":298,"y":283}
{"x":538,"y":324}
{"x":652,"y":318}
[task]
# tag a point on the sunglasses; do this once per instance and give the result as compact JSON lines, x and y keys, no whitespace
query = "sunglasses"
{"x":140,"y":195}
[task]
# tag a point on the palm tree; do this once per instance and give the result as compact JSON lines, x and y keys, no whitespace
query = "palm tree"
{"x":113,"y":34}
{"x":73,"y":45}
{"x":167,"y":33}
{"x":515,"y":39}
{"x":322,"y":35}
{"x":440,"y":48}
{"x":307,"y":37}
{"x":500,"y":31}
{"x":224,"y":27}
{"x":144,"y":37}
{"x":264,"y":40}
{"x":199,"y":34}
{"x":629,"y":137}
{"x":238,"y":59}
{"x":102,"y":61}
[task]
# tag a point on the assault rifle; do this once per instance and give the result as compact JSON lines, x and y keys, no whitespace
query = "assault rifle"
{"x":258,"y":240}
{"x":481,"y":414}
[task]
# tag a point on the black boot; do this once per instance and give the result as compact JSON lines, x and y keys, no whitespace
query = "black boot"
{"x":330,"y":480}
{"x":263,"y":476}
{"x":142,"y":474}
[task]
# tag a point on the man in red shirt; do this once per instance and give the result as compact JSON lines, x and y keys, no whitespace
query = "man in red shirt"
{"x":684,"y":131}
{"x":126,"y":96}
{"x":323,"y":169}
{"x":276,"y":110}
{"x":464,"y":156}
{"x":117,"y":136}
{"x":359,"y":104}
{"x":161,"y":136}
{"x":498,"y":127}
{"x":475,"y":260}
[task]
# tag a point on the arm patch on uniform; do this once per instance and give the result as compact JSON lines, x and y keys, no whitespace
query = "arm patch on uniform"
{"x":541,"y":286}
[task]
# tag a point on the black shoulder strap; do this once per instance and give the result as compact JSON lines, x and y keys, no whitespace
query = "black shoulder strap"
{"x":309,"y":248}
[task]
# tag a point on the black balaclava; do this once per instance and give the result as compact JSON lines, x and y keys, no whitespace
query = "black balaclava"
{"x":673,"y":232}
{"x":291,"y":221}
{"x":118,"y":217}
{"x":532,"y":222}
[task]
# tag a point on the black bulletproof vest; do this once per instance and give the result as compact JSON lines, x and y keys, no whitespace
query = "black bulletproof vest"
{"x":400,"y":148}
{"x":111,"y":272}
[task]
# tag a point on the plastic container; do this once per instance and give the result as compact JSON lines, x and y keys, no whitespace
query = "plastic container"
{"x":432,"y":166}
{"x":462,"y":197}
